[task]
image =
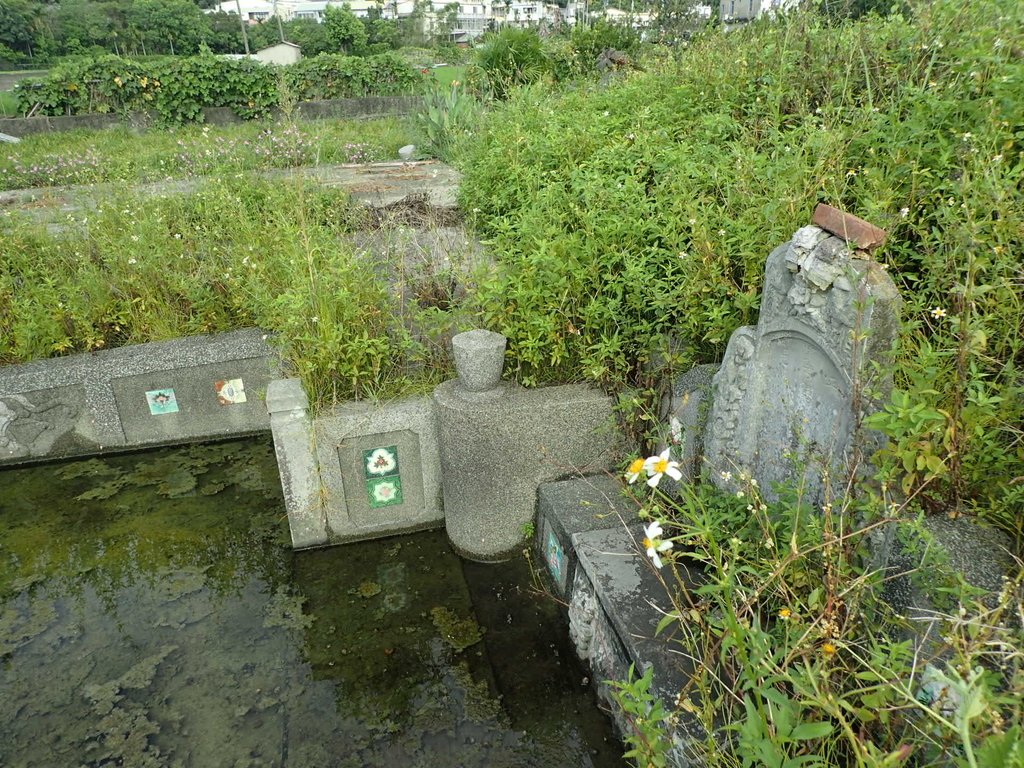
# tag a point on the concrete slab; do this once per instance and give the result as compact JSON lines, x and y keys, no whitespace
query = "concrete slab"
{"x":377,"y":185}
{"x":495,"y":452}
{"x":380,"y":468}
{"x":574,"y":506}
{"x":633,"y":599}
{"x":137,"y":396}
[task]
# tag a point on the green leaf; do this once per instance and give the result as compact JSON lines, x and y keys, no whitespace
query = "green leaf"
{"x":807,"y":731}
{"x":666,"y":620}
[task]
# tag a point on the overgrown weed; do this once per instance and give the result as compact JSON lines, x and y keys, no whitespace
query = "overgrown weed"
{"x":627,"y":213}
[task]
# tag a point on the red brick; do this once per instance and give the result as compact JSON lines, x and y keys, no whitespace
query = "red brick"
{"x":861,"y":234}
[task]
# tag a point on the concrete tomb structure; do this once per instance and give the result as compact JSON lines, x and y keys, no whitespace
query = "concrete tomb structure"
{"x":791,"y":391}
{"x":164,"y":393}
{"x":499,"y":442}
{"x":470,"y":457}
{"x":684,"y":414}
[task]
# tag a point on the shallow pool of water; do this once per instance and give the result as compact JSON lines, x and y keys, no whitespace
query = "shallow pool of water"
{"x":153,"y":614}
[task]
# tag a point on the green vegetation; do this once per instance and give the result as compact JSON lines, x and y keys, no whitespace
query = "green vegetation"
{"x":8,"y":104}
{"x":628,"y":214}
{"x":631,"y":219}
{"x":83,"y":157}
{"x":239,"y":252}
{"x":35,"y":33}
{"x":177,"y":89}
{"x":799,"y":660}
{"x":449,"y":74}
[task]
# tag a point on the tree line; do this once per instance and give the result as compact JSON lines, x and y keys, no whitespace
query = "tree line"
{"x":35,"y":33}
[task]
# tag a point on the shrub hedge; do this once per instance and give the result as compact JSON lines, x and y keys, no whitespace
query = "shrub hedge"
{"x":178,"y":88}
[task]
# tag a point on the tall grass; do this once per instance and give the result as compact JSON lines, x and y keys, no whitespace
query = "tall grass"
{"x":239,"y":252}
{"x":82,"y":157}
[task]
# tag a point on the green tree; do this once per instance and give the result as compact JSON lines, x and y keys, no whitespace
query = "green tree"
{"x":264,"y":34}
{"x":80,"y":25}
{"x":169,"y":26}
{"x":225,"y":35}
{"x":309,"y":35}
{"x":383,"y":35}
{"x":345,"y":30}
{"x":19,"y":20}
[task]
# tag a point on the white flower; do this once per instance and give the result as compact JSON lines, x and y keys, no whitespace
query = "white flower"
{"x":904,"y":212}
{"x":381,"y":462}
{"x":727,"y":476}
{"x":937,"y":312}
{"x":657,"y":466}
{"x":132,"y":261}
{"x":654,"y":544}
{"x":635,"y":468}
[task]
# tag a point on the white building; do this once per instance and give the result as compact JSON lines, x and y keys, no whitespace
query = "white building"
{"x":472,"y":19}
{"x":253,"y":11}
{"x":748,"y":10}
{"x":282,"y":53}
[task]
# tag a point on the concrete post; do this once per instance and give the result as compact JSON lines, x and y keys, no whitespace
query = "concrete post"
{"x":294,"y":444}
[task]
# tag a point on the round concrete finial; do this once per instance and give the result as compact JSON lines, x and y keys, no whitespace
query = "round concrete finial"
{"x":479,"y":359}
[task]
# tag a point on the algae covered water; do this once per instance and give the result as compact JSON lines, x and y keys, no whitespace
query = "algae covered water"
{"x":153,"y":614}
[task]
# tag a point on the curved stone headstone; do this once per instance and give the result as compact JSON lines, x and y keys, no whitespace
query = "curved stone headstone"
{"x":791,"y":390}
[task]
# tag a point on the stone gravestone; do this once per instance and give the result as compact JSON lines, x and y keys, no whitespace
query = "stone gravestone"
{"x":684,"y":410}
{"x":790,"y":392}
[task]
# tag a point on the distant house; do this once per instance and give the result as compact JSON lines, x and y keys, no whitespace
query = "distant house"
{"x":282,"y":53}
{"x":747,"y":10}
{"x":253,"y":11}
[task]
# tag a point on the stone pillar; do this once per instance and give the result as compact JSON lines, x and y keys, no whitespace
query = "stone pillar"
{"x":290,"y":424}
{"x":479,"y":360}
{"x":499,"y":442}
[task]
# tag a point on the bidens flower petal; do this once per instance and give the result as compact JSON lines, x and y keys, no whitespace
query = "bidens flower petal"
{"x":660,"y":465}
{"x":635,"y":468}
{"x":654,"y":544}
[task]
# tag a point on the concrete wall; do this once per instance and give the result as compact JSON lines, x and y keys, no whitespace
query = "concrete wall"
{"x":170,"y":392}
{"x":350,"y":109}
{"x":282,"y":53}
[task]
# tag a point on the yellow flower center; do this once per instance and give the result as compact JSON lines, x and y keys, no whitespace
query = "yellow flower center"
{"x":828,"y":649}
{"x":648,"y":544}
{"x":660,"y":466}
{"x":636,"y":467}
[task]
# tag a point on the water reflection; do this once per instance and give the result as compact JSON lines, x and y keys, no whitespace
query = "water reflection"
{"x":151,"y":614}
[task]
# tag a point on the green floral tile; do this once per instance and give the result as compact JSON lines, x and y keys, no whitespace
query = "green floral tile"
{"x":381,"y":462}
{"x":384,"y":492}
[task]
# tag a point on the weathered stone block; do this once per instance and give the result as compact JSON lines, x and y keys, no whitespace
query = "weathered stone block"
{"x":573,"y":506}
{"x":380,"y":468}
{"x":791,"y":390}
{"x":184,"y":390}
{"x":617,"y":603}
{"x":495,"y":453}
{"x":296,"y":460}
{"x":684,"y":412}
